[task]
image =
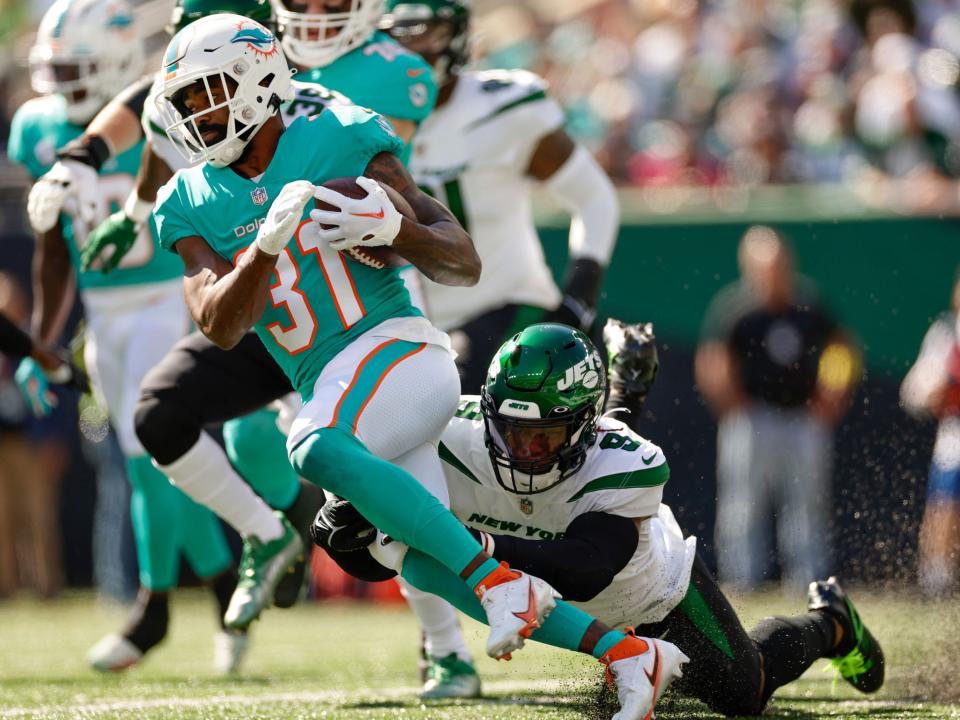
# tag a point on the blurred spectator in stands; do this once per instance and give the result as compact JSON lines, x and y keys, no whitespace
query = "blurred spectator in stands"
{"x":779,"y":374}
{"x":31,"y":465}
{"x":932,"y":389}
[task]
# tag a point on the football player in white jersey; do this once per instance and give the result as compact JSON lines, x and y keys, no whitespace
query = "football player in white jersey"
{"x":492,"y":137}
{"x":551,"y":486}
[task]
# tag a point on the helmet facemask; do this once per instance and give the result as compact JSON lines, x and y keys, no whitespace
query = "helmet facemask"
{"x":438,"y":35}
{"x":317,"y":39}
{"x":211,"y":113}
{"x":536,"y":454}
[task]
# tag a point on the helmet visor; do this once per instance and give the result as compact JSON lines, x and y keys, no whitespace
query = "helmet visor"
{"x":531,"y":446}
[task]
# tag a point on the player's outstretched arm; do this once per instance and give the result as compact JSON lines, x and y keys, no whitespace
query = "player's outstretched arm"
{"x":53,"y":285}
{"x":437,"y":244}
{"x":595,"y":547}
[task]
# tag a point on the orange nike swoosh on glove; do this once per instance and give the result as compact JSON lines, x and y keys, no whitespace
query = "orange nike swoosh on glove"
{"x":375,"y":216}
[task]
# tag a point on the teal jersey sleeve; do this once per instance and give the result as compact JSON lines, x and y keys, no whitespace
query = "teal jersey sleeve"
{"x":383,"y":76}
{"x":319,"y":299}
{"x":170,"y":214}
{"x":38,"y":128}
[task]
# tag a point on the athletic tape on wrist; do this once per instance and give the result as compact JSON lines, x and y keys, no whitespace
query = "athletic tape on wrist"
{"x":136,"y":208}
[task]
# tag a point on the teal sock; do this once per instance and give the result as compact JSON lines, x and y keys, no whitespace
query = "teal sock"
{"x":155,"y":513}
{"x":607,"y":642}
{"x":258,"y":451}
{"x":564,"y":628}
{"x":389,"y":497}
{"x":202,"y":540}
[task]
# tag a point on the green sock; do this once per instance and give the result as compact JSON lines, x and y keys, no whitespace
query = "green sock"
{"x":389,"y":497}
{"x":564,"y":628}
{"x":202,"y":539}
{"x":155,"y":513}
{"x":258,"y":451}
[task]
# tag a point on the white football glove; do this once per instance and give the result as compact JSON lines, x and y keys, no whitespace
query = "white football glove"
{"x":368,"y":221}
{"x":283,"y":217}
{"x":68,"y":186}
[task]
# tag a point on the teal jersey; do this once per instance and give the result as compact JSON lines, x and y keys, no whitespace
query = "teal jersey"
{"x":384,"y":76}
{"x":39,"y":128}
{"x":320,"y":300}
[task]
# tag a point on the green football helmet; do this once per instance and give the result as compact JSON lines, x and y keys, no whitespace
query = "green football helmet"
{"x":186,"y":11}
{"x":543,"y":395}
{"x":437,"y":30}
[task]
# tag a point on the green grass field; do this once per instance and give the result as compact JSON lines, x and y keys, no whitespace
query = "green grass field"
{"x":346,"y":661}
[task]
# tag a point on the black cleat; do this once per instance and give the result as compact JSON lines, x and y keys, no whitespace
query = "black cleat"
{"x":300,"y":514}
{"x":858,"y":658}
{"x":633,"y":363}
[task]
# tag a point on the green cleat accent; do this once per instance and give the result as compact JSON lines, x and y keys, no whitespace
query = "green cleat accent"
{"x":859,"y":658}
{"x":262,"y":565}
{"x":450,"y":677}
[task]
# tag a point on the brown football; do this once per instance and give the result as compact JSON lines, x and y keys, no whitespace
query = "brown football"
{"x":375,"y":257}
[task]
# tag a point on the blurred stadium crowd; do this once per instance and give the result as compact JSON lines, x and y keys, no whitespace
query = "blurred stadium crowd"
{"x":666,"y":93}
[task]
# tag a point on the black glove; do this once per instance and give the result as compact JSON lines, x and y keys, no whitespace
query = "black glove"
{"x":633,"y":362}
{"x":339,"y":526}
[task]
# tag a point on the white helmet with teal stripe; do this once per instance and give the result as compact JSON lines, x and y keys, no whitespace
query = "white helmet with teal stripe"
{"x":87,"y":51}
{"x":224,"y":77}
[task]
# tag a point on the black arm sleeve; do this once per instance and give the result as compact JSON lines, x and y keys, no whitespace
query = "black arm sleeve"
{"x":135,"y":95}
{"x":584,"y":280}
{"x":595,"y":547}
{"x":13,"y":340}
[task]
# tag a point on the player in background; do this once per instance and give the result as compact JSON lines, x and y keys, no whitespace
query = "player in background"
{"x":493,"y":137}
{"x":86,"y":51}
{"x":379,"y":381}
{"x":553,"y":488}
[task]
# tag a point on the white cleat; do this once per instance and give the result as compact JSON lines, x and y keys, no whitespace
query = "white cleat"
{"x":516,"y":604}
{"x":229,"y":650}
{"x":642,"y":669}
{"x":114,"y":653}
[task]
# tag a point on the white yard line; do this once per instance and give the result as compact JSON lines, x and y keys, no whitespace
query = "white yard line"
{"x":306,"y":696}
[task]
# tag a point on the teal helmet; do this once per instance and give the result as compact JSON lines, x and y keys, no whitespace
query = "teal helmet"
{"x":543,"y":395}
{"x":187,"y":11}
{"x":438,"y":30}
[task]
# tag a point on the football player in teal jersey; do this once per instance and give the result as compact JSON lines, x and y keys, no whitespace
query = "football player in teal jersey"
{"x":378,"y":381}
{"x":336,"y":43}
{"x":85,"y":52}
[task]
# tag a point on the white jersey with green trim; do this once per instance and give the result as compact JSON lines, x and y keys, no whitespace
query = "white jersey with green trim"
{"x":309,"y":99}
{"x":623,"y":474}
{"x":472,"y":154}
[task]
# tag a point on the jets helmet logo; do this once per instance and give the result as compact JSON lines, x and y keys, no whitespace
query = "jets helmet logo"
{"x":586,"y":372}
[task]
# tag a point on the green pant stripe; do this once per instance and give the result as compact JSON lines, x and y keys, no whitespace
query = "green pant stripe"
{"x":369,"y":374}
{"x":695,"y":607}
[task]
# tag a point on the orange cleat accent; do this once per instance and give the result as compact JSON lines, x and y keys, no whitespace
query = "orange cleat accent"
{"x":631,"y":646}
{"x":501,"y":574}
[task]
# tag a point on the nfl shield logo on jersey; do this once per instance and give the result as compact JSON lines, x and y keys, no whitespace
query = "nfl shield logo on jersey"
{"x":259,"y":196}
{"x":526,"y":506}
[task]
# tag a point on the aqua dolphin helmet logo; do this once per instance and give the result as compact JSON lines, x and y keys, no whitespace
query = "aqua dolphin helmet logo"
{"x":257,"y":39}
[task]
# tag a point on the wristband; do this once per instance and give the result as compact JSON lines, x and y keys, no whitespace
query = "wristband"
{"x":92,"y":150}
{"x":136,"y":208}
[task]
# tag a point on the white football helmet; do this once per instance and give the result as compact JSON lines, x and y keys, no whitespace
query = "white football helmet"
{"x":222,"y":61}
{"x":317,"y":39}
{"x":87,"y":51}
